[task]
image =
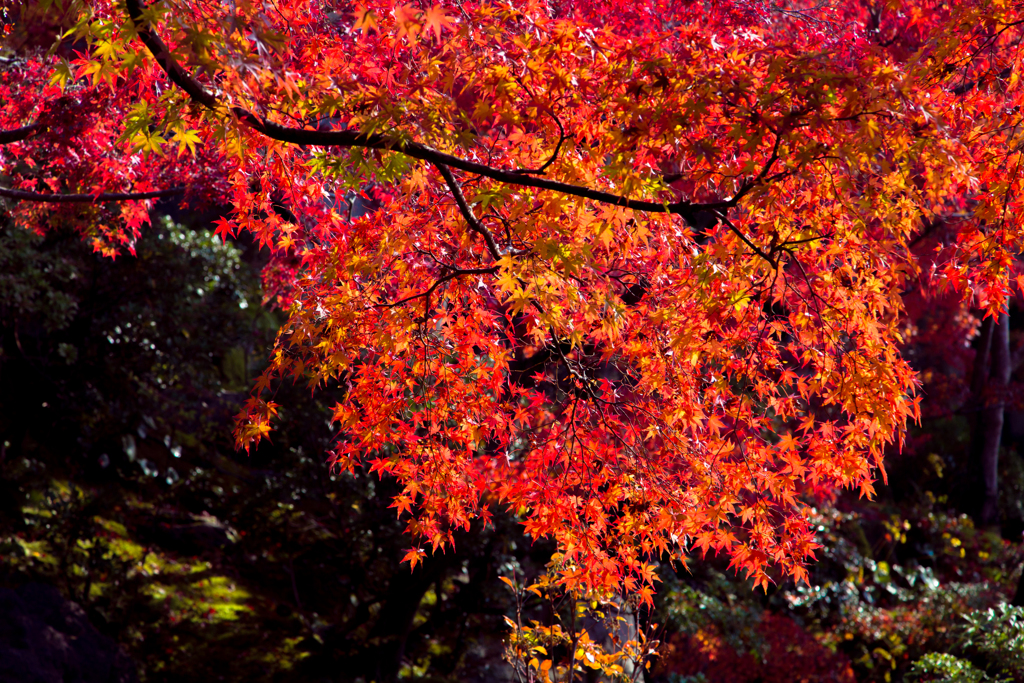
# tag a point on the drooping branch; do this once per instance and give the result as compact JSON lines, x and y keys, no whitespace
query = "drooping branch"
{"x":18,"y":134}
{"x":746,"y":240}
{"x":415,"y":150}
{"x":56,"y":198}
{"x":467,"y":212}
{"x":178,"y":75}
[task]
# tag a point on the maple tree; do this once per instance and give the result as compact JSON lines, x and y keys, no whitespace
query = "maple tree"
{"x":632,"y":270}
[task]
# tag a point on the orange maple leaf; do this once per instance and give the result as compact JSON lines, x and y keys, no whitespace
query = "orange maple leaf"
{"x":435,"y":19}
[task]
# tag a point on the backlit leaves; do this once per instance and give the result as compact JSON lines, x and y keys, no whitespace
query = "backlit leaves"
{"x":640,"y":383}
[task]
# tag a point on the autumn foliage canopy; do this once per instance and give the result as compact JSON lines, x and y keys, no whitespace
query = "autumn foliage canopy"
{"x":632,"y":270}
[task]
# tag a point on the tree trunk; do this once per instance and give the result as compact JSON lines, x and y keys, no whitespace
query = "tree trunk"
{"x":989,"y":383}
{"x":1018,"y":597}
{"x":394,"y":621}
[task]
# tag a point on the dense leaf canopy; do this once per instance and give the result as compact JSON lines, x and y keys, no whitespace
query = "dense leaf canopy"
{"x":631,"y":269}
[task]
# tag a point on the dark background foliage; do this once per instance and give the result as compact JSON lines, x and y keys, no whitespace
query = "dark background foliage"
{"x":120,"y":488}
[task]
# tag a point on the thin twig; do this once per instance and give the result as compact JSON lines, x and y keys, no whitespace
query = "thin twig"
{"x":554,"y":155}
{"x":459,"y":272}
{"x":56,"y":198}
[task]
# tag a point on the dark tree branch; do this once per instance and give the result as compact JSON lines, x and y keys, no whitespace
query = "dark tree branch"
{"x":162,"y":54}
{"x":467,"y":211}
{"x":415,"y":150}
{"x":17,"y":134}
{"x":739,"y":233}
{"x":55,"y":198}
{"x":965,"y":88}
{"x":458,"y":272}
{"x":554,"y":155}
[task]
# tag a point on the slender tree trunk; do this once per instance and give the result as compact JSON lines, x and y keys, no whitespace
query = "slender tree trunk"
{"x":971,"y":494}
{"x":1018,"y":597}
{"x":979,"y":374}
{"x":989,"y":383}
{"x":394,"y":621}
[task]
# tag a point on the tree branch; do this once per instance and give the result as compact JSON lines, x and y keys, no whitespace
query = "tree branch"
{"x":55,"y":198}
{"x":458,"y":272}
{"x":415,"y":150}
{"x":739,"y":233}
{"x":554,"y":155}
{"x":179,"y":76}
{"x":467,"y":212}
{"x":17,"y":134}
